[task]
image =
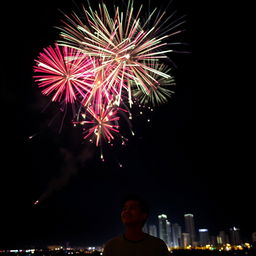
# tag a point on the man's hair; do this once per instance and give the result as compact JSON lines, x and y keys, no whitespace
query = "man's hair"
{"x":142,"y":203}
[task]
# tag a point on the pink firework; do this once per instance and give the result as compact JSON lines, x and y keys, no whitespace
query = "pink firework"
{"x":100,"y":124}
{"x":64,"y":73}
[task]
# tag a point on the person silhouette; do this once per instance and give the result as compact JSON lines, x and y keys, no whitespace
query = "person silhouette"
{"x":134,"y":242}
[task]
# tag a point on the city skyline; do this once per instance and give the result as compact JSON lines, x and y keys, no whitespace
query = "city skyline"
{"x":188,"y":234}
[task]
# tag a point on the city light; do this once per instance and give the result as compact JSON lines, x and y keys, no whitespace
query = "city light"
{"x":176,"y":239}
{"x":203,"y":230}
{"x":188,"y":215}
{"x":98,"y":250}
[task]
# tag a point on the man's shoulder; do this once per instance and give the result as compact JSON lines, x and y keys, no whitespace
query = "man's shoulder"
{"x":158,"y":245}
{"x":112,"y":246}
{"x":156,"y":239}
{"x":114,"y":240}
{"x":151,"y":245}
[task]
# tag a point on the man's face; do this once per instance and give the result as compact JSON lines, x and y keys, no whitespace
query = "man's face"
{"x":132,"y":214}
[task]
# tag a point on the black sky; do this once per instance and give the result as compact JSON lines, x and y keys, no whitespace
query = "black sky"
{"x":196,"y":154}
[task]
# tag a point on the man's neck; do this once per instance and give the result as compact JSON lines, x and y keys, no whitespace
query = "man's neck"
{"x":134,"y":233}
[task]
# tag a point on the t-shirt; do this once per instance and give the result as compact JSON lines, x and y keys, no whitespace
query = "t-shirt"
{"x":149,"y":246}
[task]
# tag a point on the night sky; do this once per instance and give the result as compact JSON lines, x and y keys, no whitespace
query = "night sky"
{"x":195,"y":156}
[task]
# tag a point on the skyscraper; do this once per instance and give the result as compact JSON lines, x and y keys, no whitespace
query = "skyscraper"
{"x":223,"y":238}
{"x":153,"y":230}
{"x":176,"y":235}
{"x":254,"y":237}
{"x":204,"y":238}
{"x":169,"y":237}
{"x":235,"y":236}
{"x":185,"y":237}
{"x":163,"y":230}
{"x":145,"y":228}
{"x":190,"y":227}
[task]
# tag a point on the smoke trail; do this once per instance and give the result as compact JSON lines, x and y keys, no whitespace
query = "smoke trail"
{"x":69,"y":168}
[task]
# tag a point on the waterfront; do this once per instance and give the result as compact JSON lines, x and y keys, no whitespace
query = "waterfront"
{"x":248,"y":250}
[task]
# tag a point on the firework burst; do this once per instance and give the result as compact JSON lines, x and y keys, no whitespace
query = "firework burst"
{"x":123,"y":45}
{"x":160,"y":92}
{"x":64,"y":73}
{"x":100,"y":124}
{"x":106,"y":64}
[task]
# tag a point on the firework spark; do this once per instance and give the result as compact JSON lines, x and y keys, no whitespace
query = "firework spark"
{"x":65,"y":73}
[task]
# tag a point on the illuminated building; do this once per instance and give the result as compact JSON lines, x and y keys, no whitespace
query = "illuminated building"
{"x":169,"y":237}
{"x":153,"y":230}
{"x":213,"y":241}
{"x":176,"y":235}
{"x":204,"y":237}
{"x":185,"y":237}
{"x":145,"y":228}
{"x":222,"y":238}
{"x":254,"y":237}
{"x":163,"y":227}
{"x":190,"y":228}
{"x":235,"y":236}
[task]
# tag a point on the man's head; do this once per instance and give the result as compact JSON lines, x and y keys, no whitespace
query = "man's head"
{"x":135,"y":211}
